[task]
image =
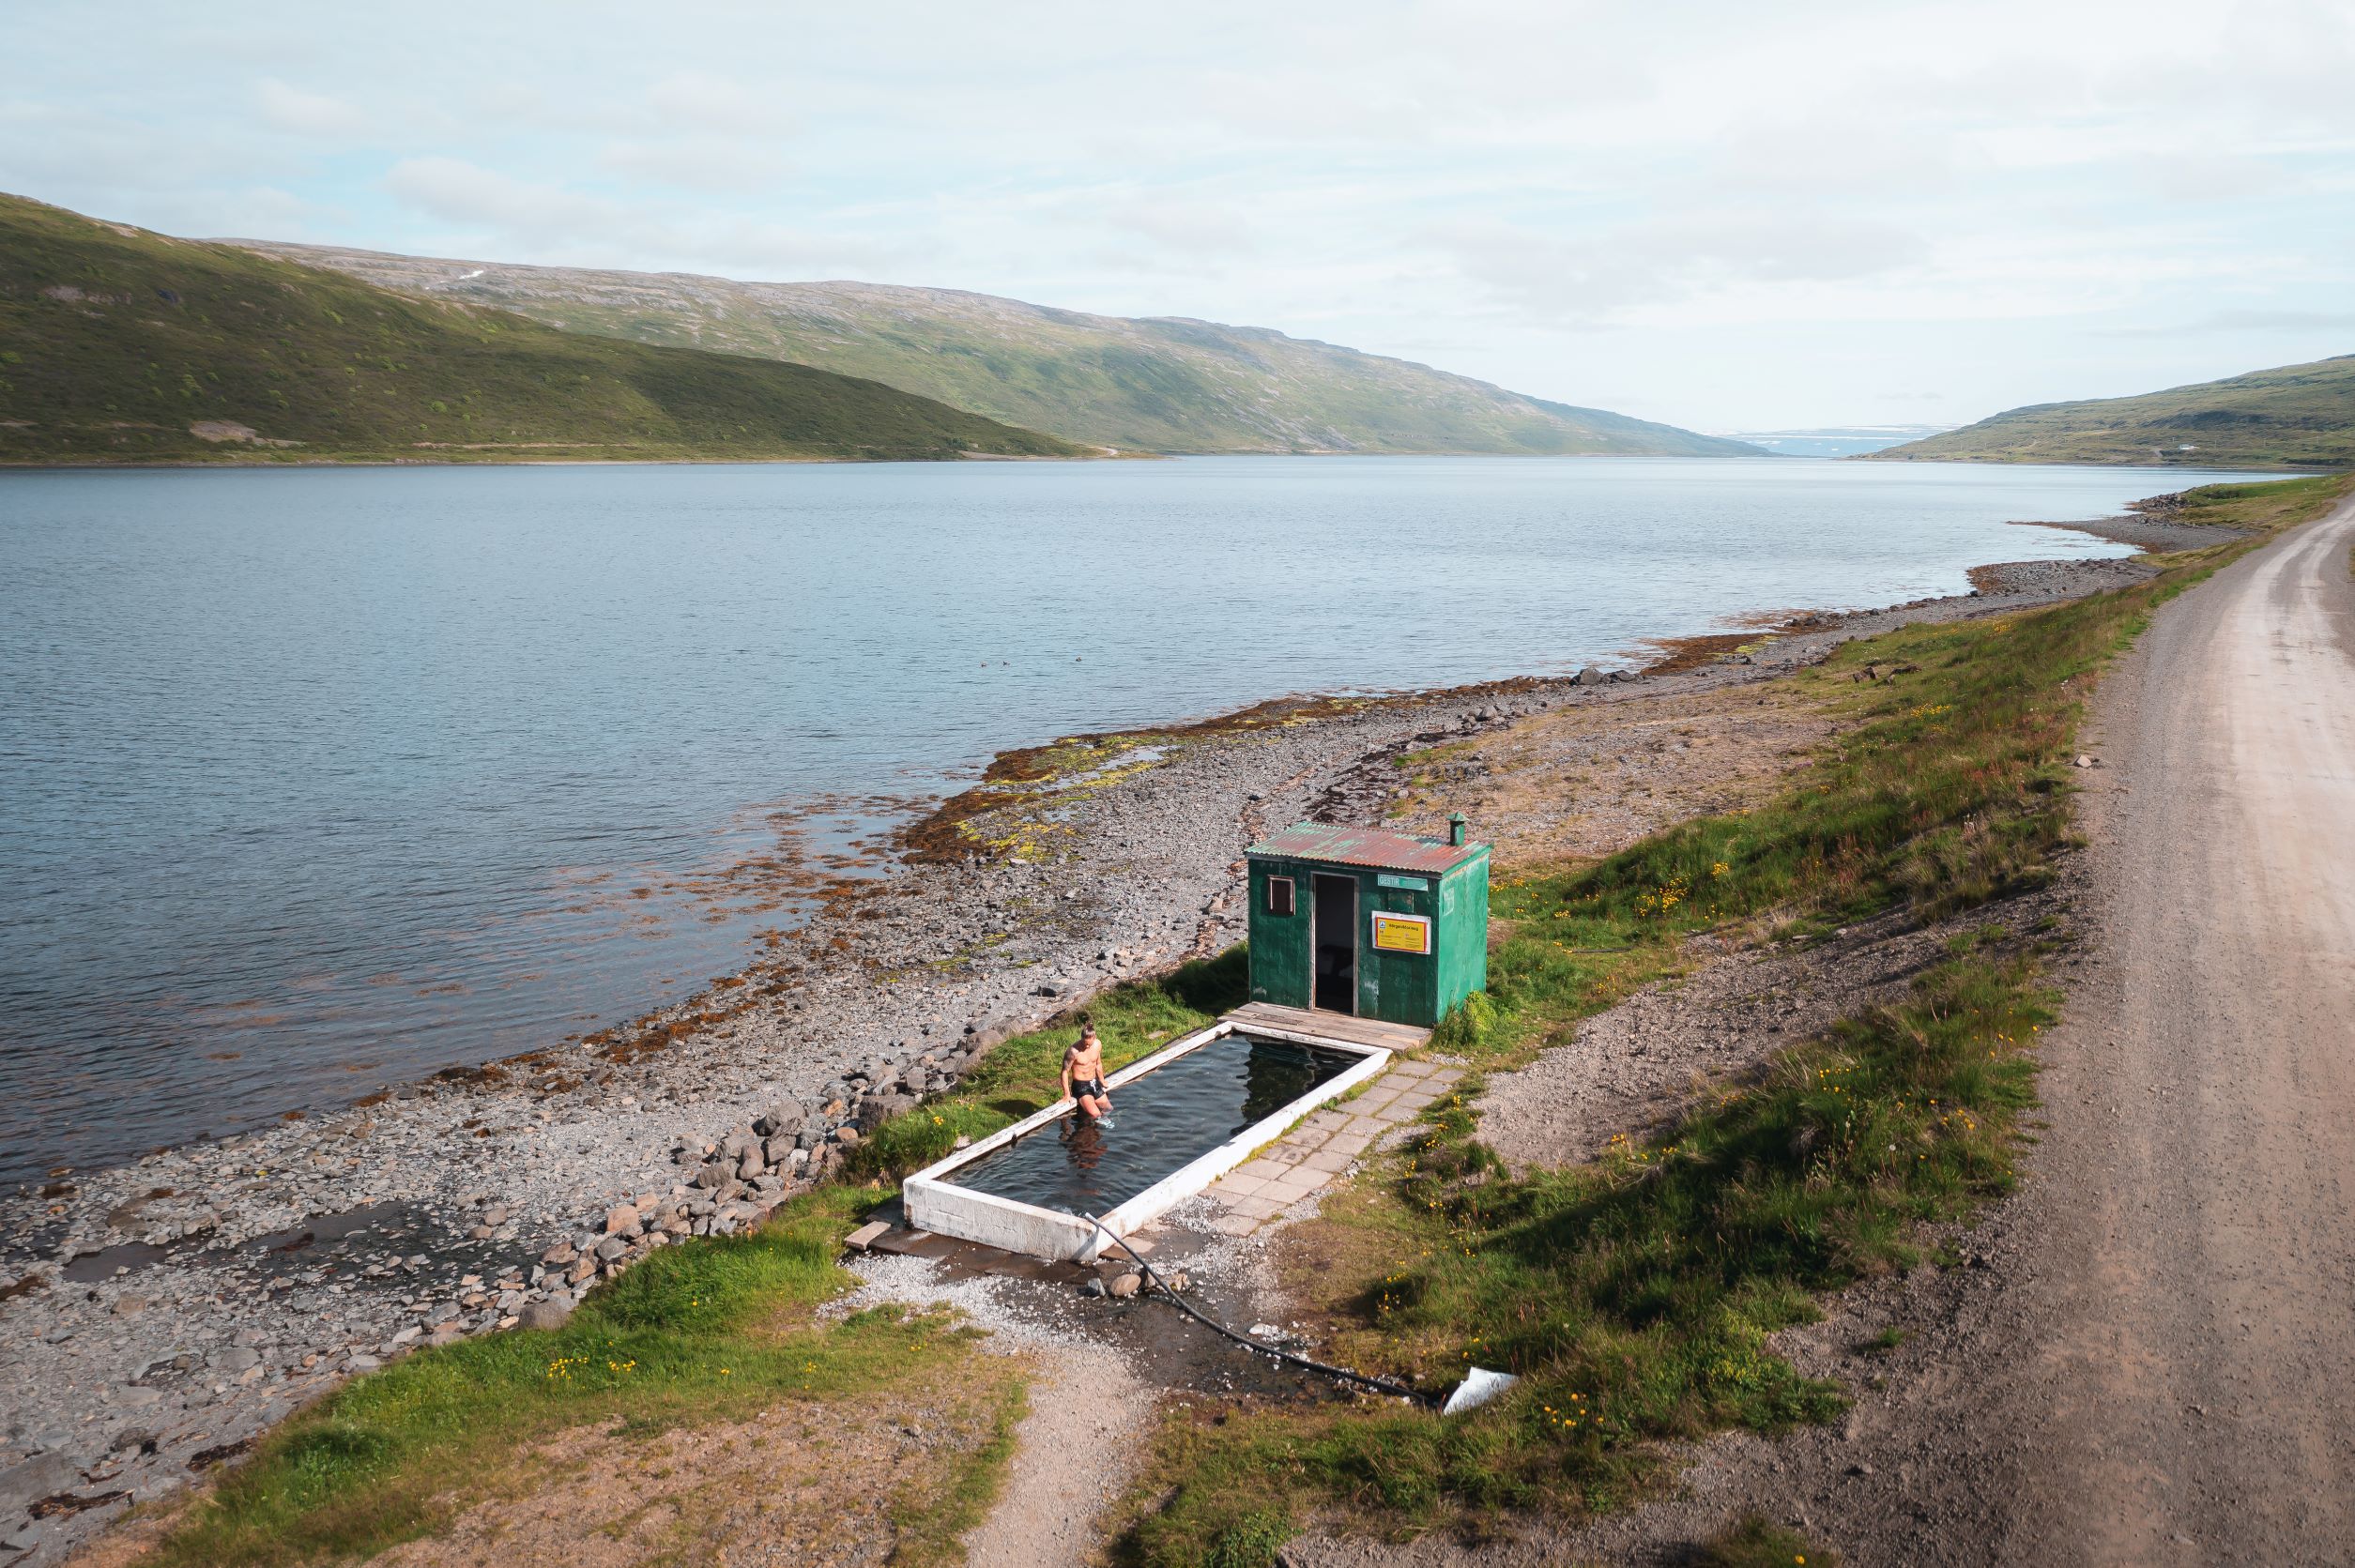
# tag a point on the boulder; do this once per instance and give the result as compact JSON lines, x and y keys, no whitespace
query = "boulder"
{"x":623,"y":1220}
{"x":1124,"y":1285}
{"x":1590,"y":675}
{"x":560,"y":1255}
{"x":43,"y":1475}
{"x":611,"y":1248}
{"x":545,"y":1315}
{"x":881,"y":1108}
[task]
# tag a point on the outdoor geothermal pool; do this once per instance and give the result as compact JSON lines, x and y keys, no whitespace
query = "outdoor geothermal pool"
{"x":1161,"y":1123}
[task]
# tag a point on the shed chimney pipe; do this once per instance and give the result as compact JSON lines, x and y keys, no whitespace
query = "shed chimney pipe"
{"x":1455,"y":829}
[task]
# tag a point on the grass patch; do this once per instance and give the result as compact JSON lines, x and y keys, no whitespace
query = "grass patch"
{"x":708,"y":1331}
{"x":1634,"y":1296}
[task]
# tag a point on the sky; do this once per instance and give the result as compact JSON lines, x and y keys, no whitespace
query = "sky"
{"x":1726,"y":216}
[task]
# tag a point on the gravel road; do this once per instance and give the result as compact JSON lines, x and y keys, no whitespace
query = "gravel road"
{"x":2181,"y":1391}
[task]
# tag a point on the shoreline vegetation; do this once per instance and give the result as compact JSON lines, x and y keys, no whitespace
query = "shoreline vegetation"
{"x":1635,"y":1294}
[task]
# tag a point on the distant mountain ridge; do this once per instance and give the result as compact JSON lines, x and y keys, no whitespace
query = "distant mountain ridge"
{"x":2291,"y":417}
{"x":1161,"y":384}
{"x":1833,"y":441}
{"x":118,"y":344}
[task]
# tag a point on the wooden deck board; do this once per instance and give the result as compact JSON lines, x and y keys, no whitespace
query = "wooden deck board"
{"x":1332,"y":1025}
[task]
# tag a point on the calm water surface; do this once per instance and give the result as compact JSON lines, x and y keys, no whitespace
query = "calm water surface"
{"x":1166,"y":1119}
{"x":314,"y":779}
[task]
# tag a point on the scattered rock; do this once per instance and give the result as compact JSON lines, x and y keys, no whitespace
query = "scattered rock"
{"x":1125,"y":1285}
{"x":38,"y":1477}
{"x":545,"y":1315}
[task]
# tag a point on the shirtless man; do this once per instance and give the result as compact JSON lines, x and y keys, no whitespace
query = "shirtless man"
{"x":1083,"y":1073}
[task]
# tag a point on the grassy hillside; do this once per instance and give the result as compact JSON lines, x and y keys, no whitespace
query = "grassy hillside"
{"x":2297,"y":417}
{"x":1163,"y":384}
{"x":117,"y":345}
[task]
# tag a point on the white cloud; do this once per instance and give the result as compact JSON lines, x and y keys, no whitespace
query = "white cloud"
{"x":1729,"y":214}
{"x":307,"y":113}
{"x":457,"y":191}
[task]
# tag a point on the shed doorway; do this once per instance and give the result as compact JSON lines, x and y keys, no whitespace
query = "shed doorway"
{"x":1336,"y":906}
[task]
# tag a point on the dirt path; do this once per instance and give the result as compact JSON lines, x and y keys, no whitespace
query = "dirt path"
{"x":1072,"y":1456}
{"x":2191,"y":1323}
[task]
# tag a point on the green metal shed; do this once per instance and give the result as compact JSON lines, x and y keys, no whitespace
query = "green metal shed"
{"x":1358,"y":920}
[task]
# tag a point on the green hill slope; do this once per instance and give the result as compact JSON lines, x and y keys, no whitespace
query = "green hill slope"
{"x":117,"y":345}
{"x":1162,"y":384}
{"x":2297,"y":417}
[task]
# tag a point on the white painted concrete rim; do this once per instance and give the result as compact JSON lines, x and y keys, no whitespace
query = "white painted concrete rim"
{"x":936,"y":1204}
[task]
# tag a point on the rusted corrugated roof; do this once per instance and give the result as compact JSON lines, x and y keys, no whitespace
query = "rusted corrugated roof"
{"x":1365,"y":846}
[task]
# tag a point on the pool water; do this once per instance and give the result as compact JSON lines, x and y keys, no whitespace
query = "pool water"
{"x":1162,"y":1121}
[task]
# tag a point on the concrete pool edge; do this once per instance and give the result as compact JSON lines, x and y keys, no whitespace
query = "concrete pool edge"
{"x":936,"y":1204}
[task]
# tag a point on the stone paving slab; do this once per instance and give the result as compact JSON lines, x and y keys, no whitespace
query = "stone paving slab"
{"x":1309,"y":1157}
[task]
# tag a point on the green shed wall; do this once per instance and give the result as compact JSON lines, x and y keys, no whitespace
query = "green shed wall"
{"x":1399,"y":987}
{"x":1282,"y":958}
{"x":1463,"y":933}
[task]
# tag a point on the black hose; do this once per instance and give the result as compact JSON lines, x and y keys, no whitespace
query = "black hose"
{"x":1380,"y":1385}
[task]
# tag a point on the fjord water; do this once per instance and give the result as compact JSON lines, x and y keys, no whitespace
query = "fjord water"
{"x":319,"y":778}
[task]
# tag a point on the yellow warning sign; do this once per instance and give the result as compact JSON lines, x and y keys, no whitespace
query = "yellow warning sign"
{"x":1402,"y":933}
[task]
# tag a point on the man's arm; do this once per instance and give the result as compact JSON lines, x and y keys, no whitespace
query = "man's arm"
{"x":1068,"y":1054}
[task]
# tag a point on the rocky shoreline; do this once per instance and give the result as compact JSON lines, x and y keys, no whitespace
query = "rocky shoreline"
{"x":160,"y":1314}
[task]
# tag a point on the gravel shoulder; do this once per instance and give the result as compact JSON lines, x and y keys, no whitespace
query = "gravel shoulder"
{"x":163,"y":1311}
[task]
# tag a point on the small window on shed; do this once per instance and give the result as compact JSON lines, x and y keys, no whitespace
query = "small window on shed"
{"x":1279,"y":895}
